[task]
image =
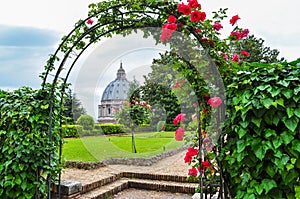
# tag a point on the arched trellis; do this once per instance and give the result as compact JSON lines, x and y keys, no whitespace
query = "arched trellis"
{"x":120,"y":17}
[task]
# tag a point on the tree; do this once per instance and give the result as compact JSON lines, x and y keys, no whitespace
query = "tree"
{"x":257,"y":50}
{"x":73,"y":108}
{"x":86,"y":121}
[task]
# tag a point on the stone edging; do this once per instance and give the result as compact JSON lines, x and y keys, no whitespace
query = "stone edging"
{"x":124,"y":161}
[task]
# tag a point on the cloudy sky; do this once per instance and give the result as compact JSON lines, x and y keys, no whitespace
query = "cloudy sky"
{"x":31,"y":30}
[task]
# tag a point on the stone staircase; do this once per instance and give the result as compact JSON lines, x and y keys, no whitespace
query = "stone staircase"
{"x":114,"y":183}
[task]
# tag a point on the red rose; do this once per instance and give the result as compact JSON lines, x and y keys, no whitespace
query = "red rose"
{"x":192,"y":151}
{"x":193,"y":172}
{"x":179,"y":133}
{"x":245,"y":33}
{"x":171,"y":19}
{"x":237,"y":35}
{"x":188,"y":158}
{"x":180,"y":117}
{"x":217,"y":26}
{"x":234,"y":19}
{"x":194,"y":4}
{"x":205,"y":164}
{"x":197,"y":16}
{"x":172,"y":26}
{"x":185,"y":9}
{"x":167,"y":31}
{"x":245,"y":53}
{"x":235,"y":58}
{"x":214,"y":102}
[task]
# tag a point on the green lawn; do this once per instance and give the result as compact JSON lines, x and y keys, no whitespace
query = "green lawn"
{"x":103,"y":147}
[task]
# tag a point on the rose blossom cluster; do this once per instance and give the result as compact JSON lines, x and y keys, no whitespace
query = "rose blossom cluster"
{"x":192,"y":153}
{"x":192,"y":10}
{"x":168,"y":28}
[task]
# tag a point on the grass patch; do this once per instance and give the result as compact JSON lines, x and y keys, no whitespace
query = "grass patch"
{"x":103,"y":147}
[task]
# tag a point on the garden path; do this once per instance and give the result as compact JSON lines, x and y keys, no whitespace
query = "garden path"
{"x":173,"y":165}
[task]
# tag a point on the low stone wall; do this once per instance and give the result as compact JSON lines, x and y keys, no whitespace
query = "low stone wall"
{"x":125,"y":161}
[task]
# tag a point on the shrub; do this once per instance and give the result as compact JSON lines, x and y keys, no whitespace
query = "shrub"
{"x":71,"y":130}
{"x":263,"y":142}
{"x":86,"y":121}
{"x":25,"y":144}
{"x":108,"y":129}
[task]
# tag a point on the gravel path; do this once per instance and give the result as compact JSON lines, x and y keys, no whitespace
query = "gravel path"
{"x":173,"y":165}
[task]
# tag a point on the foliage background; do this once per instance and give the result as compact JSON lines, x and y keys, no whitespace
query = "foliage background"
{"x":262,"y":148}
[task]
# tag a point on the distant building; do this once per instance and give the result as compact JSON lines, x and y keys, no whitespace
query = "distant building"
{"x":113,"y":96}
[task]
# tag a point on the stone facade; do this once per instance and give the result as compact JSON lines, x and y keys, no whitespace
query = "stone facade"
{"x":113,"y":96}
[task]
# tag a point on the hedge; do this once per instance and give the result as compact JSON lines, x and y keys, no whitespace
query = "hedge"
{"x":71,"y":130}
{"x":108,"y":129}
{"x":263,"y":141}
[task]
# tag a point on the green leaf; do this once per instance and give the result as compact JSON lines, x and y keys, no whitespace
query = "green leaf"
{"x":290,"y":112}
{"x":296,"y":145}
{"x":280,"y":101}
{"x":241,"y":132}
{"x":267,"y":102}
{"x":259,"y":151}
{"x":45,"y":106}
{"x":269,"y":133}
{"x":275,"y":91}
{"x":287,"y":93}
{"x":268,"y":184}
{"x":263,"y":87}
{"x":277,"y":142}
{"x":256,"y":121}
{"x":283,"y":83}
{"x":286,"y":137}
{"x":291,"y":123}
{"x":241,"y":144}
{"x":289,"y":166}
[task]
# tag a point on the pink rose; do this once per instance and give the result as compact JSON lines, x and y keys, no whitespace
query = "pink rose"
{"x":235,"y":58}
{"x":179,"y":133}
{"x":215,"y":101}
{"x":217,"y":26}
{"x":180,"y":117}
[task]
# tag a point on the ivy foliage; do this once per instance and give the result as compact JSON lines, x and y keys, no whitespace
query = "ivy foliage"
{"x":26,"y":144}
{"x":263,"y":145}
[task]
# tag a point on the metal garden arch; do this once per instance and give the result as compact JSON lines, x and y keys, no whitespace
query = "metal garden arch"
{"x":115,"y":17}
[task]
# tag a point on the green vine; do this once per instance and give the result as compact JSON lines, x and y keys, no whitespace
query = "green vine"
{"x":263,"y":143}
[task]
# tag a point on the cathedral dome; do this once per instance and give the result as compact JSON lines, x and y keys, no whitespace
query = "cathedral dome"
{"x":118,"y":88}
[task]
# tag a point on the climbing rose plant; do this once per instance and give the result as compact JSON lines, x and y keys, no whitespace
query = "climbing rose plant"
{"x":207,"y":31}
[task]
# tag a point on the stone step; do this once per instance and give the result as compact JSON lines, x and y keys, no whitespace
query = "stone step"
{"x":106,"y":191}
{"x":101,"y":182}
{"x":159,"y":185}
{"x":113,"y":188}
